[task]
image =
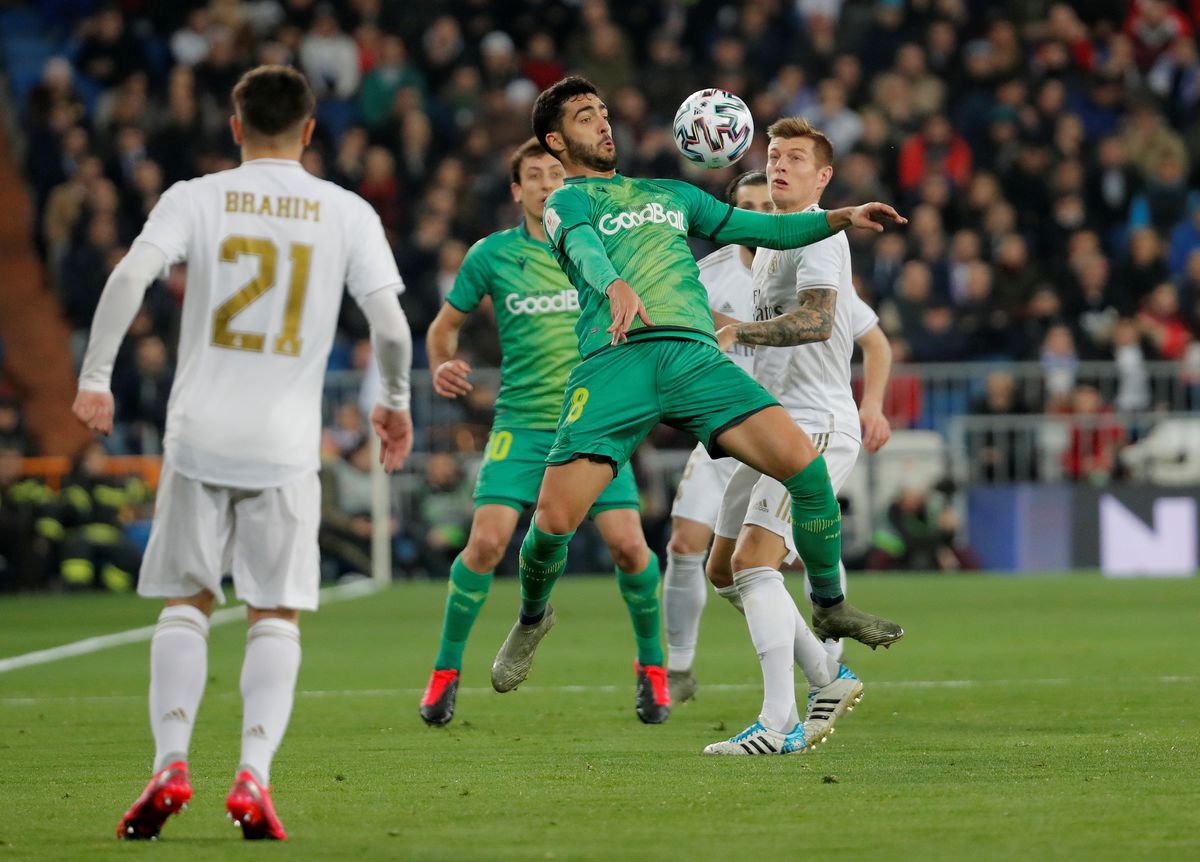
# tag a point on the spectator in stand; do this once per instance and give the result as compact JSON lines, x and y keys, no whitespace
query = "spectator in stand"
{"x":1133,"y":379}
{"x":1006,"y":452}
{"x":1060,"y":364}
{"x":329,"y":57}
{"x":1095,"y":438}
{"x":1185,"y":237}
{"x":346,"y":522}
{"x":1162,"y":323}
{"x":1142,"y":270}
{"x":109,"y":53}
{"x":937,"y":148}
{"x":392,"y":71}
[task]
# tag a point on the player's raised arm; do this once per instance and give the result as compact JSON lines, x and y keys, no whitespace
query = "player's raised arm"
{"x":450,"y":375}
{"x":119,"y":304}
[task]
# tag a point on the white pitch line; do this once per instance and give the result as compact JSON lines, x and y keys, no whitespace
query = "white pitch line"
{"x":594,"y":689}
{"x":339,"y":593}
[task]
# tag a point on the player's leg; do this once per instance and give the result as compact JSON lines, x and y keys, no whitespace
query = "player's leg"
{"x":770,"y":441}
{"x":609,"y":406}
{"x":183,"y":565}
{"x":470,"y":581}
{"x":276,"y":571}
{"x":637,"y":577}
{"x":567,"y":493}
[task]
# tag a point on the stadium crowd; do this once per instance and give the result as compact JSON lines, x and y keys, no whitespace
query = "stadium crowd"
{"x":1045,"y":152}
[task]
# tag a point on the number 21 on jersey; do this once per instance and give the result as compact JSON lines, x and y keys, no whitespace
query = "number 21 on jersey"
{"x":287,"y":343}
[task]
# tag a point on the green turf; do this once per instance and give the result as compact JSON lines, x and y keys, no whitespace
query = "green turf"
{"x":1020,"y":718}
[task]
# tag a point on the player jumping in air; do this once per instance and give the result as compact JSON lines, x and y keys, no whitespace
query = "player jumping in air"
{"x":649,"y":355}
{"x":269,"y":248}
{"x":725,"y":274}
{"x":802,"y":296}
{"x":536,"y":309}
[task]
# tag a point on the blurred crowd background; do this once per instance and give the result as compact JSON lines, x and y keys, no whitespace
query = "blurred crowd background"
{"x":1046,"y":153}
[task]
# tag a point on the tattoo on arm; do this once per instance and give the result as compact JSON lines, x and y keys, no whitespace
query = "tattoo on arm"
{"x":812,"y":321}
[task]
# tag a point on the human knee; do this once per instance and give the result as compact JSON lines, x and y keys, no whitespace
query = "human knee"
{"x":288,"y":615}
{"x":686,"y":541}
{"x":202,"y":601}
{"x":719,"y":571}
{"x":485,"y":549}
{"x":556,"y":521}
{"x":629,"y":552}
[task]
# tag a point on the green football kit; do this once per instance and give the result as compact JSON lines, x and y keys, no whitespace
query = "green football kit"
{"x":602,"y":229}
{"x":606,"y":228}
{"x":536,"y":309}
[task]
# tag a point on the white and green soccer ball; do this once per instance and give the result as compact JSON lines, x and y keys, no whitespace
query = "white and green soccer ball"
{"x":713,"y":128}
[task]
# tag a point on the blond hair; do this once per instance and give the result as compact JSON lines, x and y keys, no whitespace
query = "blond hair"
{"x":800,"y":127}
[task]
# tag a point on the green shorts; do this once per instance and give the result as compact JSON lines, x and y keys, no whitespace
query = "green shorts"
{"x":512,"y":469}
{"x":616,"y":396}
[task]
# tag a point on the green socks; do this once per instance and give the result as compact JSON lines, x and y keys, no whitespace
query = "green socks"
{"x":640,"y":592}
{"x":543,"y":558}
{"x":468,"y":592}
{"x":817,"y":528}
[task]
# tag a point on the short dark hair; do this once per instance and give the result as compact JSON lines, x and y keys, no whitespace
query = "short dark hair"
{"x":527,"y":150}
{"x":547,"y":110}
{"x":271,"y":100}
{"x":750,"y":178}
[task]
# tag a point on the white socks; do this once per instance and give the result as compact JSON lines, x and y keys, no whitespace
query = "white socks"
{"x":730,"y":594}
{"x":268,"y":688}
{"x":178,"y":671}
{"x":685,"y":590}
{"x":812,"y":656}
{"x":771,"y":616}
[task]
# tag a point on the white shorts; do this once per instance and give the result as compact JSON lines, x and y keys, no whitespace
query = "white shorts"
{"x":752,"y":498}
{"x":700,"y":489}
{"x":267,"y":539}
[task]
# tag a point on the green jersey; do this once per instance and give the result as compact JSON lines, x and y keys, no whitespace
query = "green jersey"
{"x":536,"y":310}
{"x":605,"y":228}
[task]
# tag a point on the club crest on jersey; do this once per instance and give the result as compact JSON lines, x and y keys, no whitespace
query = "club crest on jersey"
{"x":548,"y":303}
{"x":651,"y":213}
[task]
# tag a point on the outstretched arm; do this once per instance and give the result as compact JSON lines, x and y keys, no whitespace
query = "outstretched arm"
{"x":812,"y":321}
{"x":877,"y":367}
{"x":119,"y":304}
{"x":793,"y":230}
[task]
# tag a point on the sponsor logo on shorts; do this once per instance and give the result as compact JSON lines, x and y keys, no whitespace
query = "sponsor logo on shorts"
{"x":651,"y":213}
{"x":546,"y":303}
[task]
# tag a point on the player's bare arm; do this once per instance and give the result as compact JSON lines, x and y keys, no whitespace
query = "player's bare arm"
{"x":870,"y":216}
{"x":450,"y":375}
{"x":720,"y":321}
{"x":877,"y":366}
{"x":812,"y":321}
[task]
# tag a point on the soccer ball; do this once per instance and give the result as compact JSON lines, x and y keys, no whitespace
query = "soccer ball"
{"x":713,"y":128}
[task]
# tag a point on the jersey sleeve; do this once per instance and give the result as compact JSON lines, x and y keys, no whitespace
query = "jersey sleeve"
{"x":566,"y":209}
{"x":862,"y":317}
{"x":705,"y":214}
{"x":169,"y":225}
{"x":471,"y":283}
{"x":370,"y":264}
{"x":819,"y":265}
{"x":567,"y":218}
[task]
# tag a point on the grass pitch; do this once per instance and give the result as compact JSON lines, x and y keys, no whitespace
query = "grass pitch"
{"x":1020,"y":718}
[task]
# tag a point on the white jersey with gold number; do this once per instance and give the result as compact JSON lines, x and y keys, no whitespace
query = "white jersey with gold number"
{"x":269,"y":248}
{"x":730,"y":292}
{"x":811,"y":381}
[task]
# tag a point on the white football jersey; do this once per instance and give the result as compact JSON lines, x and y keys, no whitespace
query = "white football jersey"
{"x":269,"y":248}
{"x":730,"y":292}
{"x":811,"y":381}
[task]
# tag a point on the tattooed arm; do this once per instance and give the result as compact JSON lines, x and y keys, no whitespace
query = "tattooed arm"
{"x":812,"y":321}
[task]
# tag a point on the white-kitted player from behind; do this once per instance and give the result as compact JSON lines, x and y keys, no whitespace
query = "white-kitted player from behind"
{"x":725,"y":274}
{"x":269,"y":248}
